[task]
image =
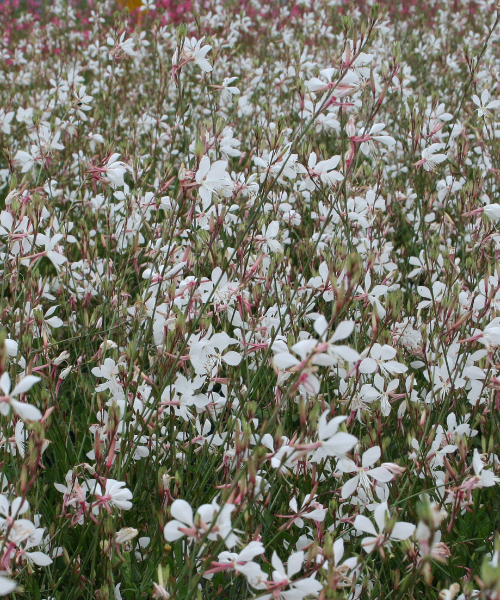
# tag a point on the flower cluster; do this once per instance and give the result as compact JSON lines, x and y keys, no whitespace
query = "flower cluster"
{"x":249,"y":317}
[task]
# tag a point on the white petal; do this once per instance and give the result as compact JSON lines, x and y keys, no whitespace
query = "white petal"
{"x":321,"y":325}
{"x":295,"y":563}
{"x":380,"y":514}
{"x":204,"y":64}
{"x":350,"y":487}
{"x":25,"y":384}
{"x":273,"y":230}
{"x":252,"y":550}
{"x":368,"y":365}
{"x":232,"y":358}
{"x":6,"y":586}
{"x":284,"y":360}
{"x":380,"y":474}
{"x":39,"y":558}
{"x":338,"y":550}
{"x":371,"y":456}
{"x":311,"y":163}
{"x":54,"y":322}
{"x":439,"y":158}
{"x":340,"y":443}
{"x":343,"y":331}
{"x":402,"y":531}
{"x":362,"y":523}
{"x":5,"y":383}
{"x":369,"y":543}
{"x":171,"y":531}
{"x":346,"y":353}
{"x":182,"y":511}
{"x":203,"y":169}
{"x":324,"y":360}
{"x":4,"y":506}
{"x":27,"y":412}
{"x":19,"y":506}
{"x":326,"y":430}
{"x":277,"y":564}
{"x":395,"y":367}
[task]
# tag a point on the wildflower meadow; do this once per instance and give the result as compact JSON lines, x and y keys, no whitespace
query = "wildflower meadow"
{"x":250,"y":300}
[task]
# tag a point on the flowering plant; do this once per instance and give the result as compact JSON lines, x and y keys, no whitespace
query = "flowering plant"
{"x":250,"y":287}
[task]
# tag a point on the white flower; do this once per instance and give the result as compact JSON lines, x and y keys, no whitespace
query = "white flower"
{"x":114,"y":170}
{"x":122,"y":45}
{"x":282,"y":577}
{"x":227,"y":91}
{"x":270,"y":244}
{"x":401,"y":531}
{"x":210,"y":518}
{"x":310,"y":509}
{"x":125,"y":535}
{"x":381,"y":358}
{"x":376,"y":134}
{"x":194,"y":51}
{"x":343,"y":331}
{"x":219,"y":289}
{"x":50,"y":243}
{"x":386,"y":390}
{"x":186,"y":395}
{"x":280,"y":163}
{"x":25,"y":115}
{"x":489,"y":337}
{"x":449,"y":185}
{"x":27,"y":159}
{"x":484,"y":104}
{"x":229,"y":145}
{"x":373,"y":295}
{"x":81,"y":103}
{"x":344,"y":87}
{"x":324,"y":170}
{"x":207,"y":354}
{"x":306,"y":368}
{"x":115,"y":494}
{"x":22,"y":230}
{"x":213,"y":179}
{"x":347,"y":566}
{"x":369,"y":458}
{"x":44,"y":143}
{"x":485,"y":477}
{"x":430,"y":158}
{"x":109,"y":370}
{"x":438,"y":291}
{"x":41,"y":559}
{"x":243,"y":562}
{"x":331,"y":441}
{"x":27,"y":412}
{"x":492,"y":211}
{"x":5,"y":120}
{"x":12,"y":510}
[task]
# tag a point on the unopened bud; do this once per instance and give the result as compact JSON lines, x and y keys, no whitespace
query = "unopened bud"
{"x":180,"y":34}
{"x":125,"y":535}
{"x":61,"y":358}
{"x":350,"y":127}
